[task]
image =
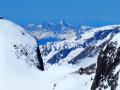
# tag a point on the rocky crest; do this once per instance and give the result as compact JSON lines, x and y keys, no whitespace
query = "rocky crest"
{"x":107,"y":74}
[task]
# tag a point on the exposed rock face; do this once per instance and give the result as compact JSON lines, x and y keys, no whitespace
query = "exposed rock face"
{"x":40,"y":60}
{"x":106,"y":76}
{"x":87,"y":70}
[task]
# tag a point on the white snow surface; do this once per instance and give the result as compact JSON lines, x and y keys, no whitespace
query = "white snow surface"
{"x":17,"y":74}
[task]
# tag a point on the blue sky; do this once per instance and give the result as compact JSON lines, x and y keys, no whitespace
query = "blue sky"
{"x":84,"y":12}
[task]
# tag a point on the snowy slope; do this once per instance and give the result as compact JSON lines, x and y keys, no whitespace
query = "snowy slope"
{"x":18,"y":42}
{"x":17,"y":57}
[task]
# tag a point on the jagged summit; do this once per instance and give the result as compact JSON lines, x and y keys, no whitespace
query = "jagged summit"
{"x":57,"y":31}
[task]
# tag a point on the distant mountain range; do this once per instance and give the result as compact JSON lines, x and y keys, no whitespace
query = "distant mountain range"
{"x":51,"y":32}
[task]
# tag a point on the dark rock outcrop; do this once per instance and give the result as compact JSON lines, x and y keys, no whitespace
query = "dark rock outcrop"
{"x":40,"y":60}
{"x":87,"y":70}
{"x":108,"y":60}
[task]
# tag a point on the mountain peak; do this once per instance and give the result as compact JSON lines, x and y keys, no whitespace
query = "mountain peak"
{"x":62,"y":22}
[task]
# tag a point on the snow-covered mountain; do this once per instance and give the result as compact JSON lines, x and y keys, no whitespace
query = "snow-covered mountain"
{"x":74,"y":49}
{"x":90,"y":61}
